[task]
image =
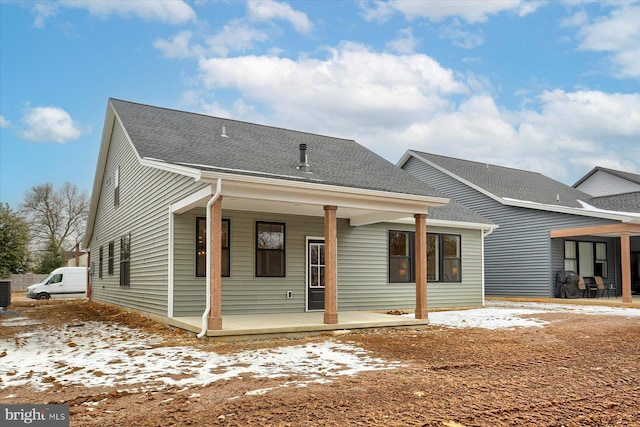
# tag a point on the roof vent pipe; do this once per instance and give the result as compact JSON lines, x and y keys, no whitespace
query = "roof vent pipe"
{"x":304,"y":165}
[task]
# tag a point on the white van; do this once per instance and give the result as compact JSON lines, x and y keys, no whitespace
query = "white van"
{"x":63,"y":282}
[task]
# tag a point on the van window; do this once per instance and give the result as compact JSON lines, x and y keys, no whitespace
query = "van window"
{"x":57,"y":278}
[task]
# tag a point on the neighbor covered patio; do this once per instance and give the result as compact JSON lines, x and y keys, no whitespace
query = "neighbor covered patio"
{"x":624,"y":232}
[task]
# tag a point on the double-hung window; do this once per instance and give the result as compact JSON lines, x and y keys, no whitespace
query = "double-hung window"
{"x":570,"y":256}
{"x":100,"y":259}
{"x":451,"y":258}
{"x":116,"y":188}
{"x":586,"y":258}
{"x":401,"y":257}
{"x":270,"y":249}
{"x":111,"y":258}
{"x":444,"y":257}
{"x":125,"y":261}
{"x":201,"y":248}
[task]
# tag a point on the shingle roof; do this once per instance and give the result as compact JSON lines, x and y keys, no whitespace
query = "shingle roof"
{"x":510,"y":183}
{"x":454,"y":211}
{"x":632,"y":177}
{"x":627,"y":202}
{"x":196,"y":140}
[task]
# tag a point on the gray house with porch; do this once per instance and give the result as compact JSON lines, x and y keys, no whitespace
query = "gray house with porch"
{"x":193,"y":215}
{"x":616,"y":190}
{"x":544,"y":226}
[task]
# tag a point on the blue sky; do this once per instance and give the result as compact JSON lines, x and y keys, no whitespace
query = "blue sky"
{"x":548,"y":86}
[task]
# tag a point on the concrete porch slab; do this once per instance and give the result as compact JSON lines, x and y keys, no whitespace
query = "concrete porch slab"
{"x":264,"y":325}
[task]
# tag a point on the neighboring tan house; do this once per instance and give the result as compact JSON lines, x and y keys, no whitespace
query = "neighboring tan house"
{"x":545,"y":226}
{"x":77,"y":259}
{"x":620,"y":191}
{"x":298,"y":222}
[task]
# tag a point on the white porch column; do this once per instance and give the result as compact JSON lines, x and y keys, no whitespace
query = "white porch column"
{"x":421,"y":266}
{"x":214,"y":321}
{"x":330,"y":266}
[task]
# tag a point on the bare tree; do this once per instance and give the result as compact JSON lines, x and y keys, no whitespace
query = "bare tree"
{"x":57,"y":219}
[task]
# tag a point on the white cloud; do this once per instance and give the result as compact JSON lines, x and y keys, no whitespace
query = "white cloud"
{"x":179,"y":46}
{"x":43,"y":10}
{"x":391,"y":103}
{"x":618,"y":34}
{"x":377,"y":11}
{"x":50,"y":124}
{"x":460,"y":37}
{"x":352,"y":85}
{"x":267,"y":10}
{"x":405,"y":42}
{"x":169,"y":11}
{"x":470,"y":11}
{"x":567,"y":133}
{"x":236,"y":36}
{"x":4,"y":122}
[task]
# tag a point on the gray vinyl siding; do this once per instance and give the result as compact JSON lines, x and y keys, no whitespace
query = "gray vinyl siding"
{"x":518,"y":256}
{"x":604,"y":184}
{"x":362,"y":268}
{"x":242,"y":292}
{"x":145,"y":195}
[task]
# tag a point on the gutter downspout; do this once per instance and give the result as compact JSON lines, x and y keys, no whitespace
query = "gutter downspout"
{"x":207,"y":309}
{"x":484,"y":233}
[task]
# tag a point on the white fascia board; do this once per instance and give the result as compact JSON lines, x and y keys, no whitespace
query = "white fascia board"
{"x":375,"y":217}
{"x":191,"y":201}
{"x":321,"y":194}
{"x":405,"y":157}
{"x":567,"y":210}
{"x":450,"y":224}
{"x":170,"y":167}
{"x":461,"y":224}
{"x":105,"y":143}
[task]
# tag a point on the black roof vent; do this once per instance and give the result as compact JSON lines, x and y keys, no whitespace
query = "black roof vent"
{"x":304,"y":164}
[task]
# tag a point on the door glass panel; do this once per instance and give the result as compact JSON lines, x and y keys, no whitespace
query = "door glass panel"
{"x":585,"y":259}
{"x":316,"y":265}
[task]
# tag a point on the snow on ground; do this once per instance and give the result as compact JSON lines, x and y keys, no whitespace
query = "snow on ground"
{"x":96,"y":354}
{"x":508,"y":315}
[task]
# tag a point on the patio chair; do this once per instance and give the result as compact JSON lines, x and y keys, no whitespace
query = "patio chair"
{"x":582,"y":286}
{"x":601,"y":287}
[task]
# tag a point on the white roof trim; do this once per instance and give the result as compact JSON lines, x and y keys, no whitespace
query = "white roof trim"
{"x":171,"y":167}
{"x":449,"y":224}
{"x":410,"y":153}
{"x":315,"y":186}
{"x":590,"y":212}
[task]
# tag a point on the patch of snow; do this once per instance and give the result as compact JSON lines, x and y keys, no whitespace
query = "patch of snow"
{"x":96,"y":354}
{"x":18,"y":321}
{"x":100,"y":355}
{"x":486,"y":318}
{"x":508,"y":315}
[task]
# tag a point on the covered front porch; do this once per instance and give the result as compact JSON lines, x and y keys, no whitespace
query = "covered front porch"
{"x":252,"y":326}
{"x":303,"y":216}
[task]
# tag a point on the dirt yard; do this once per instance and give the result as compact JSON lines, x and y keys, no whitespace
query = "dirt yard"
{"x":577,"y":370}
